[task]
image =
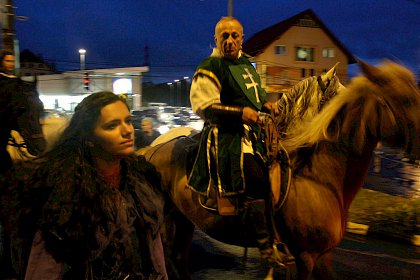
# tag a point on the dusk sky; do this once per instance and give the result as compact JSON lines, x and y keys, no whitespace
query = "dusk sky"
{"x":179,"y":33}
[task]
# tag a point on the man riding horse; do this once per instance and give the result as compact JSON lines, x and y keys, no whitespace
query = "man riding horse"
{"x":226,"y":93}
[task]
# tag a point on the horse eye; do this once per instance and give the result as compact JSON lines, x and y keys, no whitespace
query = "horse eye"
{"x":406,"y":102}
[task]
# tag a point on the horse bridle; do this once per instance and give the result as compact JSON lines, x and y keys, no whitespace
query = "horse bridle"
{"x":324,"y":88}
{"x":12,"y":141}
{"x":322,"y":84}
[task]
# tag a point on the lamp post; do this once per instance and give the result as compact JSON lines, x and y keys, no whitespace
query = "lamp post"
{"x":82,"y":53}
{"x":7,"y":24}
{"x":230,"y":8}
{"x":170,"y":91}
{"x":178,"y":93}
{"x":187,"y":90}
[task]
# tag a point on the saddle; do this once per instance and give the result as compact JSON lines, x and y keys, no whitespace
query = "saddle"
{"x":279,"y":172}
{"x":279,"y":175}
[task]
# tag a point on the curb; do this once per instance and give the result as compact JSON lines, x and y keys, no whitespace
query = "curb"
{"x":362,"y":229}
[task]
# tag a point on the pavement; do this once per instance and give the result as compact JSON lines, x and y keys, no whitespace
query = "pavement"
{"x":393,"y":173}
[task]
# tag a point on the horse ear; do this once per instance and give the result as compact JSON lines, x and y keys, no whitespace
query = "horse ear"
{"x":330,"y":74}
{"x":371,"y":72}
{"x":333,"y":71}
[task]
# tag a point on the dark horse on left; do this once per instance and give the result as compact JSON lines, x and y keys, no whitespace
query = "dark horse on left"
{"x":20,"y":110}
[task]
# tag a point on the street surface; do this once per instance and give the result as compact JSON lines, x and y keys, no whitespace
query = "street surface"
{"x":390,"y":175}
{"x":355,"y":259}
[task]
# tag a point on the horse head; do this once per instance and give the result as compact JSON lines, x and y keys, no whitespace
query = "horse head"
{"x":27,"y":112}
{"x":395,"y":86}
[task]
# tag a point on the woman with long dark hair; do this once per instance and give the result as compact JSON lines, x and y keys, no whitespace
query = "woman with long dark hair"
{"x":94,"y":207}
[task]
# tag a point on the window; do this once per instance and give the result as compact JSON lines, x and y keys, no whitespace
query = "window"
{"x":328,"y":52}
{"x":280,"y":49}
{"x":303,"y":72}
{"x":312,"y":71}
{"x":304,"y":54}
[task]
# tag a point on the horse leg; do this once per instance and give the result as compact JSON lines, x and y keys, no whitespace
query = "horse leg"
{"x":180,"y":253}
{"x":324,"y":268}
{"x":168,"y":235}
{"x":304,"y":265}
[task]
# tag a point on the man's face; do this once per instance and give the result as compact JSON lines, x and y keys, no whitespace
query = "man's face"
{"x":146,"y":126}
{"x":9,"y":63}
{"x":229,"y":36}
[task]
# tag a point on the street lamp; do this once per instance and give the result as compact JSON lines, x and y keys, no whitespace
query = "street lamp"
{"x":178,"y":93}
{"x":187,"y":90}
{"x":82,"y":53}
{"x":170,"y":91}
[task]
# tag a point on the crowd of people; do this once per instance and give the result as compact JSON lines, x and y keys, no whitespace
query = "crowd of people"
{"x":91,"y":208}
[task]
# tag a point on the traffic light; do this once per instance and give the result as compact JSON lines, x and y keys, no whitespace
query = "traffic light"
{"x":86,"y":81}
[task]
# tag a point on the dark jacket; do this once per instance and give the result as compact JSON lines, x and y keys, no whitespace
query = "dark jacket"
{"x":91,"y":228}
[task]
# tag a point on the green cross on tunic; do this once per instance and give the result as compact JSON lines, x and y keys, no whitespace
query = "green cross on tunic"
{"x":248,"y":80}
{"x":253,"y":84}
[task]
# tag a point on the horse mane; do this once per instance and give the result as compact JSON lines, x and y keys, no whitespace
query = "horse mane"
{"x":306,"y":99}
{"x":355,"y":112}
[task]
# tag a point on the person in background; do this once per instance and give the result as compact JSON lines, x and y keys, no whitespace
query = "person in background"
{"x":92,"y":208}
{"x":7,"y":68}
{"x":147,"y":133}
{"x":226,"y":93}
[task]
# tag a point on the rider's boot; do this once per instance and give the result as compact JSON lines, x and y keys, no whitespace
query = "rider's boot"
{"x":270,"y":254}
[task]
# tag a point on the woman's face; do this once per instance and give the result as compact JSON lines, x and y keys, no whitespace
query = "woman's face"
{"x":114,"y":131}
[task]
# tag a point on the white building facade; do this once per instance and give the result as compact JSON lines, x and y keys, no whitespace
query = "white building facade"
{"x":64,"y":91}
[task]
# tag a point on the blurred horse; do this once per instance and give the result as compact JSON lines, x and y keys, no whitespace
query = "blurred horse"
{"x":51,"y":129}
{"x":329,"y":159}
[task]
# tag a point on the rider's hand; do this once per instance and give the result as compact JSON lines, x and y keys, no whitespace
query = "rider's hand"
{"x":269,"y":106}
{"x":249,"y":116}
{"x":272,"y":107}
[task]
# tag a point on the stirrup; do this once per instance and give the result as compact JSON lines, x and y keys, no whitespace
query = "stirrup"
{"x":282,"y":255}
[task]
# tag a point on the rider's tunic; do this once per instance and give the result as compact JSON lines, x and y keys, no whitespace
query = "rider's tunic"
{"x":232,"y":83}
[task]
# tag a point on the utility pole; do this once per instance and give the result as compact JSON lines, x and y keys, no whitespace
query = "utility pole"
{"x":230,"y":8}
{"x":7,"y":23}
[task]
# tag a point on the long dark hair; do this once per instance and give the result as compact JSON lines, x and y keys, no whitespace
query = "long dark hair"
{"x":66,"y":194}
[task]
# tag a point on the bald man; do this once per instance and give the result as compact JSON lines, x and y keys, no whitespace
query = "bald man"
{"x":226,"y":92}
